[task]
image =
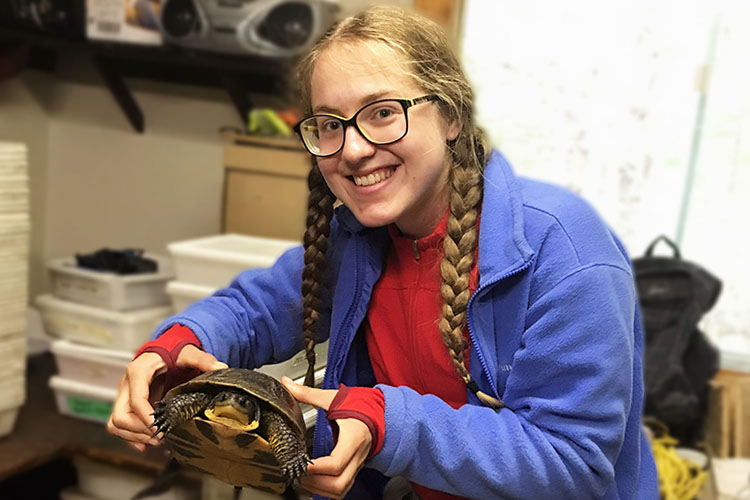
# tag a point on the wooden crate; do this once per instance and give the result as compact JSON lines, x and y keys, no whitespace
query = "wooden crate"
{"x":265,"y":187}
{"x":728,"y":422}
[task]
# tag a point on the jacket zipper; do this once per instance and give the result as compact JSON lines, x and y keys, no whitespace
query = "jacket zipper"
{"x":482,"y":360}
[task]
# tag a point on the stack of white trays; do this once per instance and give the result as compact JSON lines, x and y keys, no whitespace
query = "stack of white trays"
{"x":204,"y":265}
{"x":14,"y":256}
{"x":98,"y":320}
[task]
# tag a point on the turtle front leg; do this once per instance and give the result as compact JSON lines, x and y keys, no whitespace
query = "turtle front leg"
{"x":288,"y":448}
{"x":173,"y":412}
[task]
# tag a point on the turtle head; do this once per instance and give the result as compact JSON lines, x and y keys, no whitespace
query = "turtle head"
{"x":234,"y":409}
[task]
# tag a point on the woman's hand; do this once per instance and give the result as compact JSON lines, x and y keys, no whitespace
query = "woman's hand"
{"x":132,"y":413}
{"x":333,"y":476}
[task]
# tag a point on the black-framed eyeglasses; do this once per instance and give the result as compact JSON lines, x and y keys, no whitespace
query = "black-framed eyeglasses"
{"x":380,"y":122}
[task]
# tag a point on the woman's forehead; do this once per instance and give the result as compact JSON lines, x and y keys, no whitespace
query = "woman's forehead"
{"x":347,"y":72}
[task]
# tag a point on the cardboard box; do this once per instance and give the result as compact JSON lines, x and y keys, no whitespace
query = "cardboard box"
{"x":127,"y":21}
{"x":265,"y":187}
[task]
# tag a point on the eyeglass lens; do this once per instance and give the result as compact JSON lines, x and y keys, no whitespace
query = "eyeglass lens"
{"x":380,"y":123}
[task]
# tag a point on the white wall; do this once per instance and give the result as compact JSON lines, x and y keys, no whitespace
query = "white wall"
{"x":605,"y":99}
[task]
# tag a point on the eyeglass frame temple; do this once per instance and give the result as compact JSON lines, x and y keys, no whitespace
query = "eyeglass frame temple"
{"x":347,"y":122}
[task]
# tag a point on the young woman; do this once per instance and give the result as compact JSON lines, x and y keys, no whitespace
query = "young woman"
{"x":485,"y":339}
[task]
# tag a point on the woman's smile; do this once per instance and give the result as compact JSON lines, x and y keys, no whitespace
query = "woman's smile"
{"x":373,"y":178}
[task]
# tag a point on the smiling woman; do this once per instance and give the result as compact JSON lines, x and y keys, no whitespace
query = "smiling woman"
{"x":485,"y":339}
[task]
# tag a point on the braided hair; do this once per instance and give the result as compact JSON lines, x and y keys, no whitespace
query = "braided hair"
{"x":425,"y":49}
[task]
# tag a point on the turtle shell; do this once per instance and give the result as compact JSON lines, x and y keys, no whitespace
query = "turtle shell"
{"x":233,"y":455}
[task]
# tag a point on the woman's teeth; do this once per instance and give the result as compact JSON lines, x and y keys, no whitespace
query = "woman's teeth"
{"x":373,"y":178}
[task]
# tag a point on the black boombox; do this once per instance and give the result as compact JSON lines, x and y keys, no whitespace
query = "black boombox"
{"x":65,"y":18}
{"x":271,"y":28}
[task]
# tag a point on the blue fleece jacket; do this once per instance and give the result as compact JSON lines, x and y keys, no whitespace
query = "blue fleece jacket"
{"x":556,"y":334}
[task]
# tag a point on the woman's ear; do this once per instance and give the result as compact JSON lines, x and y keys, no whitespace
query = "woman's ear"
{"x":454,"y":128}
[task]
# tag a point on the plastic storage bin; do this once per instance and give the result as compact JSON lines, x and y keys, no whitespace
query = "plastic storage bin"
{"x":89,"y":325}
{"x":297,"y":366}
{"x":215,"y":261}
{"x":110,"y":290}
{"x":90,"y":365}
{"x":100,"y":480}
{"x":184,"y":294}
{"x":81,"y":400}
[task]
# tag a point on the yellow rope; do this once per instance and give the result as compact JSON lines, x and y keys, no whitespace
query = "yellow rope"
{"x":679,"y":478}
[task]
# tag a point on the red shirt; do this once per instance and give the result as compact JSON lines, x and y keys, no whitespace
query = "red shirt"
{"x":402,"y":334}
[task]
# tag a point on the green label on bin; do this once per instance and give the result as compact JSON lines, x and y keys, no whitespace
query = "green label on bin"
{"x":98,"y":410}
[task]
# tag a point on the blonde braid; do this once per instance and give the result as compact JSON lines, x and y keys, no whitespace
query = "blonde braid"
{"x":459,"y":245}
{"x":315,"y":242}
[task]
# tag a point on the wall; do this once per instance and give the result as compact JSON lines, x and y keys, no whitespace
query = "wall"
{"x":644,"y":116}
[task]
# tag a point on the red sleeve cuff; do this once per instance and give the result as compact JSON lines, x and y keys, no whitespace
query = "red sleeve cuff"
{"x":168,"y":346}
{"x":366,"y":405}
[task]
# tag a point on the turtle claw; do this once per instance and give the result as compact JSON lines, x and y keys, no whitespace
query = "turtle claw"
{"x":171,"y":413}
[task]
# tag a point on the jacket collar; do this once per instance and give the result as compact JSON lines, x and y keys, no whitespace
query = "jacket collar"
{"x":502,"y":244}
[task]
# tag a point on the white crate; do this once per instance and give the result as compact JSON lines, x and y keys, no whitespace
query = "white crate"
{"x":91,"y":365}
{"x":109,"y":290}
{"x":215,"y":261}
{"x":89,"y":325}
{"x":296,"y":367}
{"x":184,"y":294}
{"x":101,"y":480}
{"x":80,"y":400}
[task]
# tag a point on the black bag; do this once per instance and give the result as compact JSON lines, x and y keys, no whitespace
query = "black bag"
{"x":674,"y":295}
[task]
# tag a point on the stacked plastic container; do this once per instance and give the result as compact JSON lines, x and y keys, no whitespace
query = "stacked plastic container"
{"x":204,"y":265}
{"x":99,"y":319}
{"x":14,"y":268}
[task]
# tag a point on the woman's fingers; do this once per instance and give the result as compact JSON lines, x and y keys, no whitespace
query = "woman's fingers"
{"x":131,"y":416}
{"x":320,"y":398}
{"x":191,"y":356}
{"x":138,"y":378}
{"x":334,"y":475}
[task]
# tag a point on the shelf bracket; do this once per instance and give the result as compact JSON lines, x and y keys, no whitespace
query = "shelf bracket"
{"x":113,"y":79}
{"x":238,"y":93}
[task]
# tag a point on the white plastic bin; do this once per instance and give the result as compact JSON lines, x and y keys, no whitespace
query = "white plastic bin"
{"x":215,"y":261}
{"x":100,"y":480}
{"x":184,"y":294}
{"x":109,"y":290}
{"x":89,"y":325}
{"x":297,"y":366}
{"x":80,"y":400}
{"x":90,"y":365}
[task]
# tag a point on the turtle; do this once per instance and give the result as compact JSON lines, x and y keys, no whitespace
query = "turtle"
{"x":241,"y":426}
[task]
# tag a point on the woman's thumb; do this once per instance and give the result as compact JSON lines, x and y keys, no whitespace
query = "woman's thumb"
{"x":196,"y":358}
{"x":319,"y":398}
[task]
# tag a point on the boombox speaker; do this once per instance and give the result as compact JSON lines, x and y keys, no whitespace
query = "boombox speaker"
{"x":270,"y":28}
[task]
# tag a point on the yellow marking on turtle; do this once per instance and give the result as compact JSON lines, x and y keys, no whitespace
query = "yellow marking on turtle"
{"x":231,"y":417}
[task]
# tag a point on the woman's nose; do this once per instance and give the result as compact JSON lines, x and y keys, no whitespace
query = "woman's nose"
{"x":356,"y":147}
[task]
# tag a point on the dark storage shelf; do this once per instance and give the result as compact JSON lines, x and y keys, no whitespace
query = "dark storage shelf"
{"x":238,"y":75}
